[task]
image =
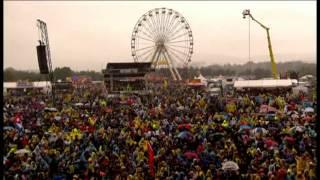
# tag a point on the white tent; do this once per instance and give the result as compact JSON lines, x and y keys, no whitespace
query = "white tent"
{"x":298,"y":89}
{"x":264,"y":83}
{"x":294,"y":82}
{"x":44,"y":85}
{"x":202,"y":79}
{"x":8,"y":85}
{"x":306,"y":77}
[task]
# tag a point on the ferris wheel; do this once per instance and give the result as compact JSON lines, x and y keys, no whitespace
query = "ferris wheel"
{"x":163,"y":37}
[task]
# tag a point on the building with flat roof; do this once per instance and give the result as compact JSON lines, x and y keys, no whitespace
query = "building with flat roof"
{"x":127,"y":77}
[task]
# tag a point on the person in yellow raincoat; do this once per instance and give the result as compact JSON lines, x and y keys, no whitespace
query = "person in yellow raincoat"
{"x":13,"y":149}
{"x":202,"y":103}
{"x":137,"y":122}
{"x":103,"y":103}
{"x":155,"y":124}
{"x":130,"y":141}
{"x":75,"y":134}
{"x":225,"y":123}
{"x":91,"y":121}
{"x":165,"y":84}
{"x":139,"y":175}
{"x":217,"y":116}
{"x":231,"y":107}
{"x":68,"y":98}
{"x":280,"y":102}
{"x":246,"y":100}
{"x":54,"y":129}
{"x":140,"y":155}
{"x":209,"y":175}
{"x":312,"y":170}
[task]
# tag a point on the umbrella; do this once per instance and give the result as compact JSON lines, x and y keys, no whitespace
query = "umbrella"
{"x":312,"y":133}
{"x":307,"y":118}
{"x":50,"y":109}
{"x":291,"y":107}
{"x":191,"y":155}
{"x":309,"y":110}
{"x":23,"y":151}
{"x":289,"y":139}
{"x":230,"y":166}
{"x":123,"y":102}
{"x":272,"y":128}
{"x":8,"y":128}
{"x":266,"y":109}
{"x":272,"y":109}
{"x":307,"y":104}
{"x":259,"y":130}
{"x":185,"y":135}
{"x":270,"y":117}
{"x":244,"y":127}
{"x":295,"y":116}
{"x":108,"y":110}
{"x":180,"y":108}
{"x":297,"y":129}
{"x":243,"y":122}
{"x":217,"y":136}
{"x":292,"y":112}
{"x":187,"y":126}
{"x":270,"y":143}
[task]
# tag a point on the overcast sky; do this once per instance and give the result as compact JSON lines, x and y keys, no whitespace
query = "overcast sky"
{"x":86,"y":35}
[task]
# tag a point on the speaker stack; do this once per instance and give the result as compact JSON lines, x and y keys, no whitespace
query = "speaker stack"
{"x":42,"y":59}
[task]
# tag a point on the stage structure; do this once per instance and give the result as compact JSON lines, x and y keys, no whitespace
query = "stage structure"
{"x":163,"y":37}
{"x":122,"y":78}
{"x":44,"y":55}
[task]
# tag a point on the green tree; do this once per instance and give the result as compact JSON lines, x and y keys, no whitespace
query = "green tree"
{"x":261,"y":73}
{"x":62,"y":73}
{"x":9,"y":74}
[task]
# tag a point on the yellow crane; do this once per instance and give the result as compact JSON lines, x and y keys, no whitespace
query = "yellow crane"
{"x":245,"y":13}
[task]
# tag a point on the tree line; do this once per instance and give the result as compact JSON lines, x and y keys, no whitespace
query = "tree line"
{"x":250,"y":69}
{"x":260,"y":70}
{"x":11,"y":74}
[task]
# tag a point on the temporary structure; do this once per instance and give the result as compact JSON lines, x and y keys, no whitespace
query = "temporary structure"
{"x":198,"y":81}
{"x":281,"y":83}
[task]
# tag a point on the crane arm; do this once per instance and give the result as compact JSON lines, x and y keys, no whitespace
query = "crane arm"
{"x":273,"y":63}
{"x":265,"y":27}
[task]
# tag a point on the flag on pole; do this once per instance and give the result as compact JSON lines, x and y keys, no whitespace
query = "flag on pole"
{"x":151,"y":159}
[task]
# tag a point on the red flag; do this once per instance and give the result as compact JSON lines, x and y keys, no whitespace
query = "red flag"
{"x":151,"y":159}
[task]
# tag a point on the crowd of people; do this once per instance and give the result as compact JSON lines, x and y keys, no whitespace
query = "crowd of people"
{"x":175,"y":133}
